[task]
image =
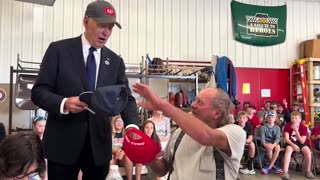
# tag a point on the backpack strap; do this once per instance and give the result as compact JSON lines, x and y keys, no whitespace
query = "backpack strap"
{"x":220,"y":175}
{"x":176,"y":144}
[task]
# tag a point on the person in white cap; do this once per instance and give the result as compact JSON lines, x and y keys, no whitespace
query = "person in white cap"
{"x":74,"y":138}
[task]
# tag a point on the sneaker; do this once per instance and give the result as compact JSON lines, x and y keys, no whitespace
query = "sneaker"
{"x":247,"y":171}
{"x":309,"y":175}
{"x":285,"y":176}
{"x":265,"y":170}
{"x":241,"y":166}
{"x":277,"y":170}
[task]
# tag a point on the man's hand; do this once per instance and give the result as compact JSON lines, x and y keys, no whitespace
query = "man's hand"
{"x":74,"y":105}
{"x":153,"y":100}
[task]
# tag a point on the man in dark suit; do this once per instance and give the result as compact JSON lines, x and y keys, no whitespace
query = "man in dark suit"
{"x":74,"y":138}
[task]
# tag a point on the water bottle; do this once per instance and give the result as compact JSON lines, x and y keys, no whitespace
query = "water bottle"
{"x":114,"y":173}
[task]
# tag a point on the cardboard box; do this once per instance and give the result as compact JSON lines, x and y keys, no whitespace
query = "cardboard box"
{"x":310,"y":48}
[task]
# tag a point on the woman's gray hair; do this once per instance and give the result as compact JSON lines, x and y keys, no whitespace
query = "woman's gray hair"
{"x":222,"y":102}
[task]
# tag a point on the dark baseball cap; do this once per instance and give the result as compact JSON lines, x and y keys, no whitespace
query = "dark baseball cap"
{"x":267,"y":101}
{"x":110,"y":100}
{"x":253,"y":107}
{"x":102,"y":12}
{"x":246,"y":102}
{"x":141,"y":149}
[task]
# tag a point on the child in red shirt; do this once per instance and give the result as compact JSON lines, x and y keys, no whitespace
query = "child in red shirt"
{"x":295,"y":134}
{"x":254,"y":119}
{"x":315,"y":137}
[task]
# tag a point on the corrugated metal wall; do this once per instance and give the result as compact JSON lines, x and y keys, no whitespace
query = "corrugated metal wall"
{"x":177,"y":29}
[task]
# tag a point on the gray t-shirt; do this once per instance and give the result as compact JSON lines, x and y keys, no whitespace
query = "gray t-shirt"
{"x":270,"y":134}
{"x":195,"y":161}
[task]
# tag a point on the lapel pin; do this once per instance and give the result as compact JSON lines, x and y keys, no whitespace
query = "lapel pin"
{"x":107,"y":61}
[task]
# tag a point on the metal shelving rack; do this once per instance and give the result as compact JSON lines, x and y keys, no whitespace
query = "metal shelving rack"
{"x":23,"y":67}
{"x":144,"y":71}
{"x":141,"y":71}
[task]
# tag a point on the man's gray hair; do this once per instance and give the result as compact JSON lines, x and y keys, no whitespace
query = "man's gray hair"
{"x":221,"y":101}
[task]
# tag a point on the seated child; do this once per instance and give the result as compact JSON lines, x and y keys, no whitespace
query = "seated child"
{"x":252,"y":118}
{"x":149,"y":129}
{"x":39,"y":125}
{"x":247,"y":127}
{"x":295,"y":134}
{"x":315,"y":137}
{"x":162,"y":124}
{"x":270,"y":139}
{"x":118,"y":155}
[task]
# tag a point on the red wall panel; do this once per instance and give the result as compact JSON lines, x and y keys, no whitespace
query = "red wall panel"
{"x":251,"y":76}
{"x":277,"y":80}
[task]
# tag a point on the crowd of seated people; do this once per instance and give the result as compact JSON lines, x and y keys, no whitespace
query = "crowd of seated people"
{"x":277,"y":123}
{"x":294,"y":134}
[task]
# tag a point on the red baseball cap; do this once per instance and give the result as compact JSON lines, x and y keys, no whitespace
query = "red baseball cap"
{"x":141,"y":149}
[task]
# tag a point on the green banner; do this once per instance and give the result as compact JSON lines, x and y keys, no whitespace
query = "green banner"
{"x":259,"y":25}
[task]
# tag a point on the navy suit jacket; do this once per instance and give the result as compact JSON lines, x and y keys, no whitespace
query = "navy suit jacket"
{"x":62,"y":74}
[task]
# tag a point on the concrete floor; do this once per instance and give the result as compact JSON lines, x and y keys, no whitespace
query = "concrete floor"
{"x":272,"y":176}
{"x":259,"y":176}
